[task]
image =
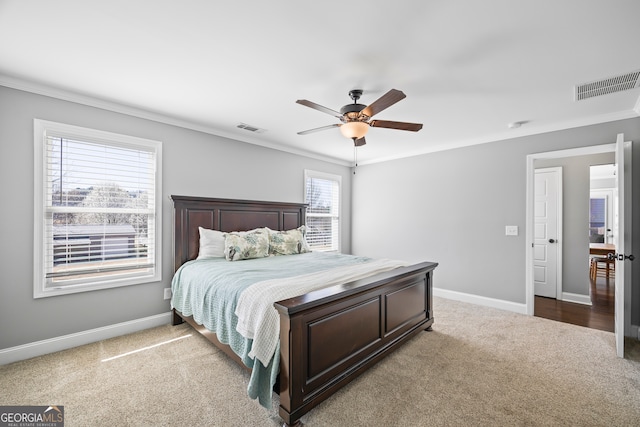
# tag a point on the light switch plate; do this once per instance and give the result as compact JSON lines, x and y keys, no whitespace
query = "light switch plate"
{"x":511,"y":230}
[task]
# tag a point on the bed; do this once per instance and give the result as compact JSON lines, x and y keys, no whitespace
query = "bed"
{"x":327,"y":337}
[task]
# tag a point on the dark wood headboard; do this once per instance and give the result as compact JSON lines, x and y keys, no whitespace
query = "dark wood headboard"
{"x":226,"y":215}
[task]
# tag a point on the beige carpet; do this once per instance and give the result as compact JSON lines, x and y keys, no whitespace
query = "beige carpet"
{"x":479,"y":367}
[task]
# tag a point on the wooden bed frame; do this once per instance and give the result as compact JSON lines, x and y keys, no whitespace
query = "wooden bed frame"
{"x":327,"y":337}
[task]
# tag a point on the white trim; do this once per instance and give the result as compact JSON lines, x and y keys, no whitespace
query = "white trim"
{"x":43,"y":128}
{"x":39,"y":348}
{"x":71,"y":96}
{"x":480,"y":300}
{"x":573,"y":152}
{"x":310,"y":174}
{"x":576,"y":298}
{"x":608,"y":195}
{"x":511,"y":134}
{"x":529,"y":203}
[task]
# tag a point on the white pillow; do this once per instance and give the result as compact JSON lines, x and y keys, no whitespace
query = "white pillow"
{"x":211,"y":244}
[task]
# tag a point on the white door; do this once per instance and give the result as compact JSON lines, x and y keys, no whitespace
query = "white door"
{"x":623,"y":245}
{"x":546,"y":248}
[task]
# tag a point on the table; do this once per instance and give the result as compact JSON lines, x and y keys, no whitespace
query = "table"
{"x":602,"y":249}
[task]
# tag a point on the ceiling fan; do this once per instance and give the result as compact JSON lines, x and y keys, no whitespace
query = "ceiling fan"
{"x":356,"y":118}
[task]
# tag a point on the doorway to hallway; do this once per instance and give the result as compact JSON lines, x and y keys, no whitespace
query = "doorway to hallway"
{"x":599,"y":315}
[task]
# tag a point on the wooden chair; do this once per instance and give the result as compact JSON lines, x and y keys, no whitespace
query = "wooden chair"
{"x":601,"y":264}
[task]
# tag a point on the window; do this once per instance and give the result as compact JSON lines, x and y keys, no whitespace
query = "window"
{"x":322,"y":194}
{"x":97,"y":209}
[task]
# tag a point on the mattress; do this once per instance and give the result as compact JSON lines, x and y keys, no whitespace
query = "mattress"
{"x":211,"y":290}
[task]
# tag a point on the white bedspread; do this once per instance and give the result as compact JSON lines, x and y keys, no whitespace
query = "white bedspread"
{"x":259,"y":320}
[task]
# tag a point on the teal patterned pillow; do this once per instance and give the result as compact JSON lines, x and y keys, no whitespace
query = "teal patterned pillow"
{"x":254,"y":244}
{"x":288,"y":242}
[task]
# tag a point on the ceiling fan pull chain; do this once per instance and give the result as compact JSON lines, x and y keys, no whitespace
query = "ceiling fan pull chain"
{"x":355,"y":156}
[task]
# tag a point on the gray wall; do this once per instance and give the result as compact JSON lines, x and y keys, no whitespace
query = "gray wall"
{"x":452,"y":207}
{"x":194,"y":163}
{"x":449,"y":207}
{"x":575,"y":209}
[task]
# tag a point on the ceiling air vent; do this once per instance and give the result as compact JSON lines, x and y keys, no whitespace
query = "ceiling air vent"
{"x":603,"y":87}
{"x":250,"y":128}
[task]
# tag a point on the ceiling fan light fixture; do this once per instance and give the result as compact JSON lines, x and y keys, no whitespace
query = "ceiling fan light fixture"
{"x":355,"y":130}
{"x":356,"y":118}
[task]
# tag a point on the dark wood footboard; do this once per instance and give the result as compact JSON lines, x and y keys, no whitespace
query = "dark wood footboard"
{"x":329,"y":337}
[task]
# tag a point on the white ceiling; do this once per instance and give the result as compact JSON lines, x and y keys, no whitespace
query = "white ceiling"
{"x":468,"y":67}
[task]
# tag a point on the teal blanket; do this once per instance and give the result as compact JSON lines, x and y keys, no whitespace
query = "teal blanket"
{"x":209,"y":289}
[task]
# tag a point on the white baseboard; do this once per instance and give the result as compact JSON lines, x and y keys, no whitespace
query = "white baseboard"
{"x":515,"y":307}
{"x":38,"y":348}
{"x":479,"y":300}
{"x":577,"y":298}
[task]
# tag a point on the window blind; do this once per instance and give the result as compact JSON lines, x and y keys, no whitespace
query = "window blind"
{"x":322,"y":194}
{"x":99,"y":210}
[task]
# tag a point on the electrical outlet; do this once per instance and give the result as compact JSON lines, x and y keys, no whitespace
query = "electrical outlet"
{"x":167,"y":293}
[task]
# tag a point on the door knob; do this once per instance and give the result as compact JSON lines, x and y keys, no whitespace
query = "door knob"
{"x":551,"y":241}
{"x":620,"y":257}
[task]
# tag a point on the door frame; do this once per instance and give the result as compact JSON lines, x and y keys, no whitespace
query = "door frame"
{"x":608,"y":195}
{"x":529,"y":206}
{"x":557,"y":170}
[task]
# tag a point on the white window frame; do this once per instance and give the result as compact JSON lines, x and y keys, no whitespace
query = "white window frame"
{"x":310,"y":174}
{"x":42,"y":130}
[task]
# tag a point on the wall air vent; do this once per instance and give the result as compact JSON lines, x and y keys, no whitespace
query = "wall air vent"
{"x":250,"y":128}
{"x":611,"y":85}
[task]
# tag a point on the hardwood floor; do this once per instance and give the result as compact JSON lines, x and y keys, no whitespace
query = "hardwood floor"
{"x":597,"y":316}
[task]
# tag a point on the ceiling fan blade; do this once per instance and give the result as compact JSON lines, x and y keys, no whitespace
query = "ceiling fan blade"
{"x":384,"y":102}
{"x":413,"y":127}
{"x":304,"y":132}
{"x":359,"y":142}
{"x":319,"y":108}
